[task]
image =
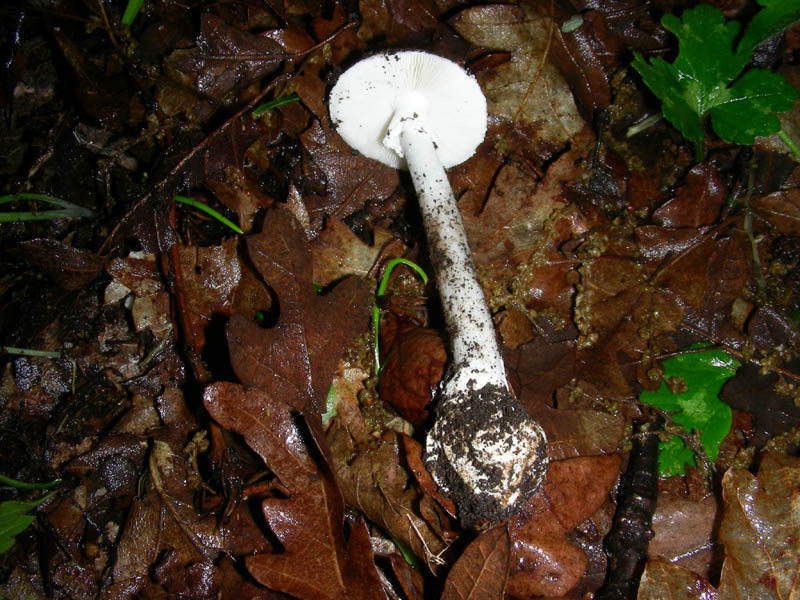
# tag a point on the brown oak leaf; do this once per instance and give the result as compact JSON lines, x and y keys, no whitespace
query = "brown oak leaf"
{"x":318,"y":562}
{"x":295,"y":359}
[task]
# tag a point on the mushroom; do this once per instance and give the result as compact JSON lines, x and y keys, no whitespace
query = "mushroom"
{"x":422,"y":112}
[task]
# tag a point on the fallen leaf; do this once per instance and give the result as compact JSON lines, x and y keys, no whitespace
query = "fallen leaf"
{"x":338,"y":252}
{"x":480,"y":572}
{"x":697,"y":203}
{"x":317,"y":563}
{"x":240,"y":192}
{"x":683,"y":531}
{"x":350,"y":178}
{"x":69,"y":267}
{"x":543,"y":562}
{"x":781,"y":209}
{"x":226,"y":58}
{"x":526,"y":88}
{"x":203,"y":282}
{"x":662,"y":579}
{"x":754,"y":392}
{"x":399,"y":23}
{"x":412,"y":369}
{"x":373,"y":475}
{"x":515,"y":236}
{"x":760,"y":529}
{"x":538,"y":370}
{"x":295,"y":359}
{"x":579,"y":55}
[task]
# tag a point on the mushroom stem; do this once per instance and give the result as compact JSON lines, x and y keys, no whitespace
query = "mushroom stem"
{"x":472,"y":337}
{"x":484,"y":450}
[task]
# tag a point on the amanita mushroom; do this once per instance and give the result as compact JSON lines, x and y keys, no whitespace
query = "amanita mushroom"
{"x":423,"y":112}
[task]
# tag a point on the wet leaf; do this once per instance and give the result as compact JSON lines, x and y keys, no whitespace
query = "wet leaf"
{"x":543,"y":562}
{"x":527,"y":88}
{"x":760,"y":530}
{"x":662,"y":579}
{"x":684,"y":531}
{"x":71,"y":268}
{"x":781,"y":209}
{"x":295,"y":359}
{"x":398,"y":22}
{"x":412,"y":369}
{"x":310,"y":522}
{"x":350,"y":178}
{"x":226,"y":58}
{"x":516,"y":234}
{"x":697,"y":203}
{"x":204,"y":282}
{"x":240,"y":192}
{"x":481,"y":570}
{"x":338,"y":252}
{"x":372,"y":472}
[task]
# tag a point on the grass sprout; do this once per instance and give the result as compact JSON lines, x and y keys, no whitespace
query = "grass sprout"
{"x":209,"y":211}
{"x":131,"y":10}
{"x":376,"y":312}
{"x":262,"y":108}
{"x":67,"y":210}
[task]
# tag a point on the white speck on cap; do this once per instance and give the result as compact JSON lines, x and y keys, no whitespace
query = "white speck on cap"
{"x":373,"y":99}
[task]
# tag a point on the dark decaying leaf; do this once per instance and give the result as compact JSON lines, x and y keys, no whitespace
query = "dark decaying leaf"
{"x":760,"y":529}
{"x":754,"y":392}
{"x":203,"y":282}
{"x":781,"y":209}
{"x":400,"y":23}
{"x":295,"y":359}
{"x":526,"y":89}
{"x":350,"y":178}
{"x":318,"y":561}
{"x":697,"y":203}
{"x":70,"y":267}
{"x":373,"y":474}
{"x":579,"y":55}
{"x":338,"y":252}
{"x":480,"y":572}
{"x":226,"y":58}
{"x":543,"y":562}
{"x":412,"y":369}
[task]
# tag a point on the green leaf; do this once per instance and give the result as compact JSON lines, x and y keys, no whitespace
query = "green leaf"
{"x":705,"y":62}
{"x":14,"y":521}
{"x":662,"y":78}
{"x":698,"y":409}
{"x":757,"y":94}
{"x":776,"y":16}
{"x":703,"y":78}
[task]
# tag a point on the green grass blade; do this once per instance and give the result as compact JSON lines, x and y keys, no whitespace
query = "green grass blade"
{"x":131,"y":10}
{"x":24,"y":485}
{"x":68,"y":209}
{"x":376,"y":312}
{"x":262,"y":108}
{"x":209,"y":211}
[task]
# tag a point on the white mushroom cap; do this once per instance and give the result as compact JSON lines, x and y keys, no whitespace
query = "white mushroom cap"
{"x":375,"y":95}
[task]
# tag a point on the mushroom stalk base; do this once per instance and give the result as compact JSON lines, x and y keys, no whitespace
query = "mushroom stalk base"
{"x":484,"y":451}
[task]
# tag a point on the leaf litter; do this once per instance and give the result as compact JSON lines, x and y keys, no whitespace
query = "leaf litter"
{"x":184,"y":414}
